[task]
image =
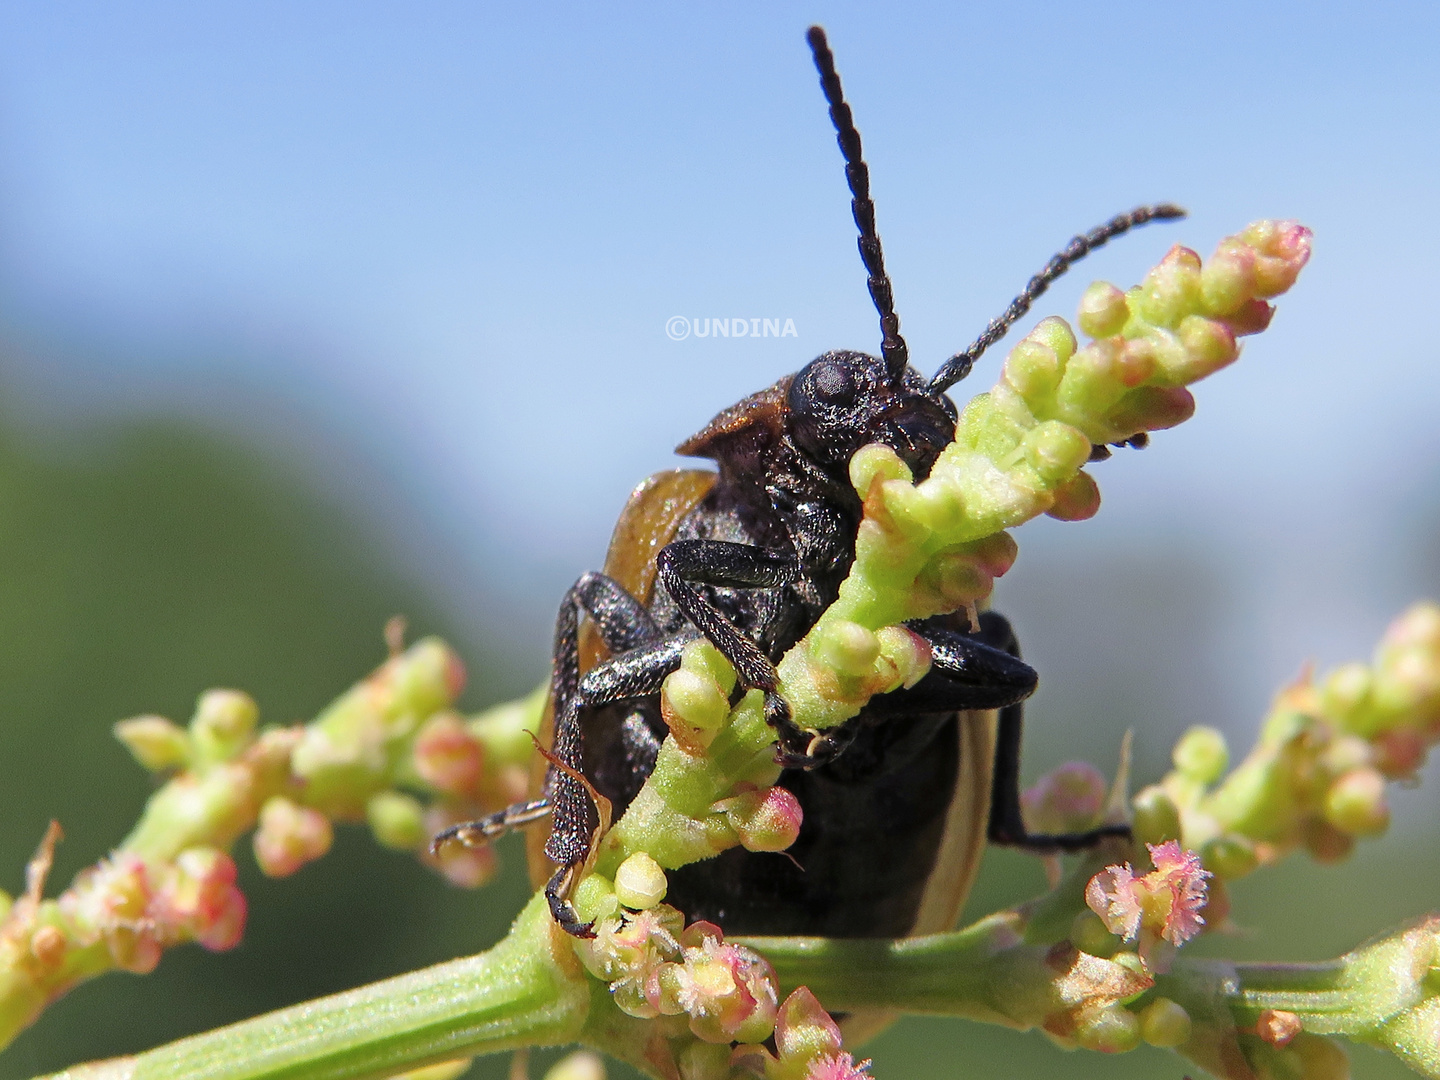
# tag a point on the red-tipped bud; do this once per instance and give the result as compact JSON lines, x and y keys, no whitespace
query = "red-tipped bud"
{"x":448,"y":757}
{"x":289,"y":836}
{"x":765,"y":819}
{"x":199,"y":900}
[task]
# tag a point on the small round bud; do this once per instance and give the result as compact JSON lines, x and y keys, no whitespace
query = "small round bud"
{"x":1164,"y":1023}
{"x":1089,"y":934}
{"x":1229,"y":856}
{"x":1346,"y":691}
{"x":905,"y":651}
{"x":1033,"y":369}
{"x":1356,"y":804}
{"x":223,"y":725}
{"x":703,"y":1061}
{"x":48,"y":946}
{"x":1324,"y":841}
{"x":803,"y":1029}
{"x":640,"y":882}
{"x":1157,"y":818}
{"x":694,"y":701}
{"x":1278,"y":1027}
{"x":595,"y":897}
{"x":1078,"y":499}
{"x":876,"y":461}
{"x":289,"y":836}
{"x":447,"y":756}
{"x":846,"y":647}
{"x":1056,"y":450}
{"x":155,"y":742}
{"x":1103,"y":310}
{"x":1111,"y":1030}
{"x":1201,"y":755}
{"x":581,"y":1065}
{"x":767,"y":819}
{"x":397,"y":820}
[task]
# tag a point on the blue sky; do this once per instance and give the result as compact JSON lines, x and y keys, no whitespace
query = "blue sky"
{"x":446,"y":238}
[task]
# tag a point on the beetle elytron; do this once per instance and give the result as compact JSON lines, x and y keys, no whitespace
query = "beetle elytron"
{"x":897,"y":800}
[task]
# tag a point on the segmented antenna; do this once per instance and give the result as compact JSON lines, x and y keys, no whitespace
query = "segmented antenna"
{"x":892,"y":346}
{"x":959,"y":365}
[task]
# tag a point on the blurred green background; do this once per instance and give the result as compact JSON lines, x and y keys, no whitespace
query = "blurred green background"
{"x":145,"y":561}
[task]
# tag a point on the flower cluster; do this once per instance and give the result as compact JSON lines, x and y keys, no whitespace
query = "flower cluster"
{"x":373,"y":755}
{"x":1317,"y":778}
{"x":936,"y":546}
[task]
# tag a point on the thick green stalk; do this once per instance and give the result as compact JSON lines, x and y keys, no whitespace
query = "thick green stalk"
{"x":520,"y":993}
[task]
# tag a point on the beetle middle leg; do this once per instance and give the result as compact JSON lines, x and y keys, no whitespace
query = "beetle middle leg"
{"x":627,"y":629}
{"x":1007,"y":822}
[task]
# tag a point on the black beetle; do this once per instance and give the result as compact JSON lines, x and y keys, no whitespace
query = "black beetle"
{"x":898,"y":800}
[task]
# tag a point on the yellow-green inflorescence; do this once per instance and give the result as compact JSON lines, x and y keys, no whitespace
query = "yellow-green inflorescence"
{"x":937,"y":545}
{"x":1317,"y":778}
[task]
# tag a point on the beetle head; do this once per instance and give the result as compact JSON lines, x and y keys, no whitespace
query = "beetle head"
{"x":841,"y":401}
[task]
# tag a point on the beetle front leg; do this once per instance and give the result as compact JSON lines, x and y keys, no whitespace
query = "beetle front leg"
{"x":684,"y":564}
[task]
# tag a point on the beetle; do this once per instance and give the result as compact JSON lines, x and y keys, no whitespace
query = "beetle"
{"x":897,"y":801}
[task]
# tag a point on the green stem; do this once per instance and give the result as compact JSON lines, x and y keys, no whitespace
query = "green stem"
{"x":520,"y":993}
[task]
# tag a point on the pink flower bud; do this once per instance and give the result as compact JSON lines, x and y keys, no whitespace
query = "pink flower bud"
{"x":765,"y":819}
{"x":1066,"y":799}
{"x":448,"y":757}
{"x":289,"y":836}
{"x":199,"y":900}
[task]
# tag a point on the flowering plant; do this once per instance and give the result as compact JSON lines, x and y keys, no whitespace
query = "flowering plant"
{"x":1096,"y":962}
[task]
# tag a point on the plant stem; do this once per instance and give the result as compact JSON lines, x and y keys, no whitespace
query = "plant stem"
{"x":523,"y":992}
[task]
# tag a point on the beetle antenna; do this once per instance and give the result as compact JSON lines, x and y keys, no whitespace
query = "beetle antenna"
{"x":892,"y":346}
{"x":959,"y":365}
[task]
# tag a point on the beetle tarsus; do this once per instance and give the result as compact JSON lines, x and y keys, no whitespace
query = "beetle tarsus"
{"x":1055,"y":843}
{"x":485,"y":831}
{"x":557,"y":891}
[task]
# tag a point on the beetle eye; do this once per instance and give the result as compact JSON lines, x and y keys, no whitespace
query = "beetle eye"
{"x":832,"y":383}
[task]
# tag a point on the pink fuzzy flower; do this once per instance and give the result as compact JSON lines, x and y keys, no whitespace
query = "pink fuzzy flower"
{"x":1161,"y":910}
{"x":839,"y":1066}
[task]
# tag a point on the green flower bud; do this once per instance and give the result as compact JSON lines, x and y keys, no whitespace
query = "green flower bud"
{"x":846,"y":647}
{"x":1164,"y":1023}
{"x":1170,"y":291}
{"x":595,"y":897}
{"x":1089,"y":934}
{"x":1111,"y":1030}
{"x":1355,"y":803}
{"x":1104,"y":310}
{"x":1056,"y":450}
{"x":640,"y":882}
{"x":704,"y":1061}
{"x":155,"y":742}
{"x":223,"y":725}
{"x":876,"y":460}
{"x":1201,"y":755}
{"x":1156,"y":817}
{"x":1229,"y":856}
{"x":397,"y":820}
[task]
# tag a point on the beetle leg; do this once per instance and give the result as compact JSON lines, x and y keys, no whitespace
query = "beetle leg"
{"x":557,"y":895}
{"x":625,"y":626}
{"x":488,"y":829}
{"x":685,"y":564}
{"x":1007,"y":823}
